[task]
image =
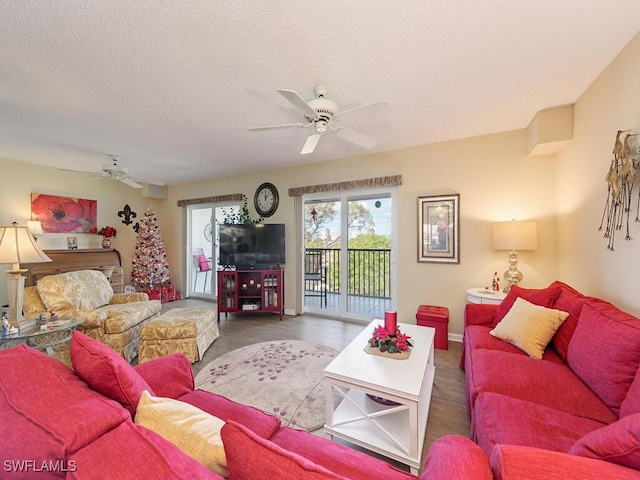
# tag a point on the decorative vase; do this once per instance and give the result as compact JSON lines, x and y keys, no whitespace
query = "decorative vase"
{"x":106,"y":242}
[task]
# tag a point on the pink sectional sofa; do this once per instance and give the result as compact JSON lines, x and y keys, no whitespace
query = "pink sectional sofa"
{"x":575,"y":413}
{"x":57,"y":423}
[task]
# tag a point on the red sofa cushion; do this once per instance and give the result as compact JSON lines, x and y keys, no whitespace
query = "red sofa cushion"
{"x":526,"y":463}
{"x":256,"y":420}
{"x":537,"y":381}
{"x":631,"y":403}
{"x":605,"y":351}
{"x":130,"y":452}
{"x":543,"y":297}
{"x":570,"y":300}
{"x":501,"y":419}
{"x":333,"y":456}
{"x":47,"y":412}
{"x":170,"y":376}
{"x":617,"y":443}
{"x":250,"y":456}
{"x":478,"y":336}
{"x":455,"y":457}
{"x":107,"y":372}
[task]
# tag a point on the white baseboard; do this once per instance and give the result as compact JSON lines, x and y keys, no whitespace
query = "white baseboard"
{"x":455,"y":337}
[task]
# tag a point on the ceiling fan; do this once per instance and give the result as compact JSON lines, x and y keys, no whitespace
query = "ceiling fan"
{"x":114,"y":170}
{"x":322,"y":115}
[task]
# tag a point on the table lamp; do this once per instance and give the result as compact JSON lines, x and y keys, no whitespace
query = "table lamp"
{"x":35,"y":227}
{"x":17,"y":246}
{"x":514,"y":236}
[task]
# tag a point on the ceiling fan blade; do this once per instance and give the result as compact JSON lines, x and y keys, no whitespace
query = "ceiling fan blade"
{"x":377,"y":108}
{"x":76,"y":171}
{"x":276,"y":127}
{"x":299,"y":102}
{"x":356,"y":137}
{"x":310,"y":144}
{"x":128,"y":181}
{"x":150,"y":182}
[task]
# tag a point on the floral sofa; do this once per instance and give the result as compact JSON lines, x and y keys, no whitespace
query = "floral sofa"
{"x":553,"y":388}
{"x":109,"y":420}
{"x":114,"y":319}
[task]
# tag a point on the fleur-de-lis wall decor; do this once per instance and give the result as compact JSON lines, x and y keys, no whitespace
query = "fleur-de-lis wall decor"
{"x":136,"y":227}
{"x":128,"y":214}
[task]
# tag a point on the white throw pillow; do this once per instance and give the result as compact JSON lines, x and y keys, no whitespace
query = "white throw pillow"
{"x":529,"y":327}
{"x":192,"y":430}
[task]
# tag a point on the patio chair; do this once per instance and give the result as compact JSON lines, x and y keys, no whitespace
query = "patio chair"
{"x":315,"y":276}
{"x":203,"y":265}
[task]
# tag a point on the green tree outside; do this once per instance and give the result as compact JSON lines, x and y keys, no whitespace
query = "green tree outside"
{"x":369,"y":262}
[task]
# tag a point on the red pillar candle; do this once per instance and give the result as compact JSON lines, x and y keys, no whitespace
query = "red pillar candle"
{"x":391,"y":321}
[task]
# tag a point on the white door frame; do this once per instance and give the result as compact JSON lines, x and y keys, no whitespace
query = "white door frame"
{"x":344,"y":197}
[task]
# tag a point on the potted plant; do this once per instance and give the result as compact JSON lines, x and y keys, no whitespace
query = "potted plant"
{"x":107,"y":232}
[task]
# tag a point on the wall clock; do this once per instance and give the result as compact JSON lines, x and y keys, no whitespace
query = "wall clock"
{"x":266,"y":199}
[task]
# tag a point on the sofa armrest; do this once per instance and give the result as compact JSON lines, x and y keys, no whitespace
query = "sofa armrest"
{"x":119,"y":298}
{"x":528,"y":463}
{"x":456,"y":458}
{"x":476,"y":314}
{"x":92,"y":318}
{"x":169,"y":376}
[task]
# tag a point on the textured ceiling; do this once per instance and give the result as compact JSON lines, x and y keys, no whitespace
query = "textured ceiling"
{"x":172,"y":87}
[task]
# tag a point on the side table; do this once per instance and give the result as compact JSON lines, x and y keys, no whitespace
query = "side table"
{"x":483,"y":295}
{"x":44,"y":339}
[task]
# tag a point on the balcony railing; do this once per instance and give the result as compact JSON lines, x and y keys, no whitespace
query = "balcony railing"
{"x":369,"y":271}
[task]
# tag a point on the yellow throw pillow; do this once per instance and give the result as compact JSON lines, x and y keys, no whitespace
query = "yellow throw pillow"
{"x":529,"y":327}
{"x":192,"y":430}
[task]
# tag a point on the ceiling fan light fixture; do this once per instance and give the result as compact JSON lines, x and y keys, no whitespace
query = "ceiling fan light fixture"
{"x":321,"y":126}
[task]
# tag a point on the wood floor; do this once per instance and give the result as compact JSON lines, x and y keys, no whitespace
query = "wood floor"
{"x":447,"y":413}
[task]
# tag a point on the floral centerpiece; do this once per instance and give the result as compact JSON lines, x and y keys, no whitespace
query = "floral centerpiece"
{"x":107,"y":232}
{"x":386,"y":341}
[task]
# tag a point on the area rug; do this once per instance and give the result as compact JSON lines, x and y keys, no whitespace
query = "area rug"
{"x":282,"y":378}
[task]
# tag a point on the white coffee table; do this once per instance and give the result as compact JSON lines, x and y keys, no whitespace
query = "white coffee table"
{"x":395,"y":431}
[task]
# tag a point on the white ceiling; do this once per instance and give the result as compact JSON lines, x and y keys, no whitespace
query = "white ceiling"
{"x":172,"y":86}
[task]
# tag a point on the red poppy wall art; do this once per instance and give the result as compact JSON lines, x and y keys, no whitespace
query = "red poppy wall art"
{"x":64,"y":214}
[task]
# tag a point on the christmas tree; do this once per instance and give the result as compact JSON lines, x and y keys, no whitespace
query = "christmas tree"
{"x":150,"y":266}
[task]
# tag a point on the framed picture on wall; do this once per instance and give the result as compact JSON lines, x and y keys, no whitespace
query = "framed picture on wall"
{"x":439,"y":229}
{"x":64,"y":214}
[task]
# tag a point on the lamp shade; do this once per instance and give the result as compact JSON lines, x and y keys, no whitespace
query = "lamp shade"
{"x":18,"y":246}
{"x":35,"y":227}
{"x":515,"y":235}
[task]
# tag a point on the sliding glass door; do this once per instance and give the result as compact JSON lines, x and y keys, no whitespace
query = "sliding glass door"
{"x":202,"y":251}
{"x":349,"y":253}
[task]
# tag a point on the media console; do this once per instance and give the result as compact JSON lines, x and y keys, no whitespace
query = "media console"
{"x":250,"y":291}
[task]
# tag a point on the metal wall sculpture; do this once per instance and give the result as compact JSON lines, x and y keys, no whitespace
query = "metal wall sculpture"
{"x":621,"y":179}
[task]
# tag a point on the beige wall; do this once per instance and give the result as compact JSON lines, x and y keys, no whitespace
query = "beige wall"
{"x":19,"y":179}
{"x":496,"y":182}
{"x":611,"y":103}
{"x":565,"y":193}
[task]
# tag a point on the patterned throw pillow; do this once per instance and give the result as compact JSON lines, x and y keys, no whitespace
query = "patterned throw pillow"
{"x":79,"y":290}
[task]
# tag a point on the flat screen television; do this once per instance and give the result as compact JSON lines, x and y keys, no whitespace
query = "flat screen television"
{"x":246,"y":246}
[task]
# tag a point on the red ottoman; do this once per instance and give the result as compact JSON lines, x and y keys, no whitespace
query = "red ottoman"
{"x":438,"y":318}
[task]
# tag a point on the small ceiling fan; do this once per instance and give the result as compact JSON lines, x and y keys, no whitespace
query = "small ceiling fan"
{"x":322,"y":115}
{"x":114,"y":170}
